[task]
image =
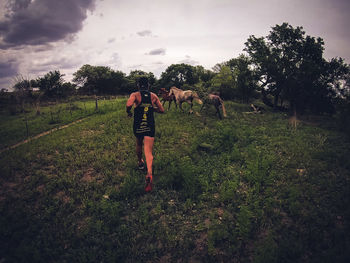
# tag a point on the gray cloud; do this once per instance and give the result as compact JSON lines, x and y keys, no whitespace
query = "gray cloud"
{"x":136,"y":66}
{"x":158,"y":63}
{"x":144,"y":33}
{"x":111,"y":40}
{"x":42,"y":21}
{"x":115,"y":60}
{"x":12,"y":6}
{"x":41,"y":69}
{"x":8,"y":69}
{"x":188,"y":60}
{"x":58,"y":63}
{"x":158,"y":51}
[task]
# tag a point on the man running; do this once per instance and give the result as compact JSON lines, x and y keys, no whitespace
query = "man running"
{"x":145,"y":103}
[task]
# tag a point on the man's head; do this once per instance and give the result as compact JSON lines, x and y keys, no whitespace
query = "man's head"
{"x":143,"y":83}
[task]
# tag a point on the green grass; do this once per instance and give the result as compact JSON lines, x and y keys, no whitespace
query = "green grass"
{"x":248,"y":188}
{"x":13,"y":127}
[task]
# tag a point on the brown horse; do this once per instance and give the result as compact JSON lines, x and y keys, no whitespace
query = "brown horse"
{"x":164,"y":94}
{"x":184,"y":95}
{"x":213,"y":99}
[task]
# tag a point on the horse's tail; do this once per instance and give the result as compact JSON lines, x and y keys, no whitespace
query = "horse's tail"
{"x":223,"y":108}
{"x":196,"y":97}
{"x":171,"y":94}
{"x":199,"y":100}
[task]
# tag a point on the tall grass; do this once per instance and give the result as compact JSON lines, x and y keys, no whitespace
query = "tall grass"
{"x":244,"y":189}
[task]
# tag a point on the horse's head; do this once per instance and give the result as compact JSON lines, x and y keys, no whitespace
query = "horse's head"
{"x":213,"y":96}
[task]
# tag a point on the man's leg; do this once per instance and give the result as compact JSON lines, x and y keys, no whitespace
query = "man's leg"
{"x":148,"y":146}
{"x":139,"y":142}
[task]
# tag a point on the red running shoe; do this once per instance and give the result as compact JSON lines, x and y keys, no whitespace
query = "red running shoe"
{"x":149,"y":181}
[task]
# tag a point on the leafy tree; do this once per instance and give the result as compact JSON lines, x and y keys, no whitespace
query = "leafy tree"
{"x":203,"y":74}
{"x":22,"y":85}
{"x":244,"y":80}
{"x":223,"y":82}
{"x":217,"y":68}
{"x":51,"y":84}
{"x":134,"y":76}
{"x":290,"y":66}
{"x":235,"y":79}
{"x":117,"y":83}
{"x":99,"y":80}
{"x":68,"y":88}
{"x":343,"y":105}
{"x":203,"y":86}
{"x":22,"y":90}
{"x":178,"y":75}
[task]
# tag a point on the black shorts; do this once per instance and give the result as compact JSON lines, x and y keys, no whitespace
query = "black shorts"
{"x":143,"y":134}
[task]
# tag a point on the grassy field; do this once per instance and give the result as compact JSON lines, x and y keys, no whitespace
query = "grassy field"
{"x":17,"y":127}
{"x":248,"y":188}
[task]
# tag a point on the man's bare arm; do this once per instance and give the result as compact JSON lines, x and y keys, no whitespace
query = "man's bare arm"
{"x":159,"y":107}
{"x":129,"y":104}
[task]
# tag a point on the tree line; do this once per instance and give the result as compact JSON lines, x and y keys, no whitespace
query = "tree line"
{"x":286,"y":69}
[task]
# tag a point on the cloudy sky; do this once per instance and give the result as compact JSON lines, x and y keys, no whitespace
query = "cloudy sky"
{"x":38,"y":36}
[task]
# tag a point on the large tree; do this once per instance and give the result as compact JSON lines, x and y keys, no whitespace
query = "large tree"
{"x":178,"y":75}
{"x":133,"y":77}
{"x":290,"y":66}
{"x":22,"y":91}
{"x":244,"y":79}
{"x":223,"y":82}
{"x":235,"y":79}
{"x":99,"y":80}
{"x":51,"y":84}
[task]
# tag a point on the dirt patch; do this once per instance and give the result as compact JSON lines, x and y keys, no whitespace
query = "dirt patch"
{"x":61,"y":195}
{"x":165,"y":259}
{"x":220,"y":212}
{"x":82,"y":224}
{"x":89,"y":175}
{"x":40,"y":188}
{"x":120,"y":173}
{"x":201,"y":247}
{"x":286,"y":220}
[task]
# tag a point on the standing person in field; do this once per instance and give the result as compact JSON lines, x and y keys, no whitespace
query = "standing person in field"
{"x":145,"y":103}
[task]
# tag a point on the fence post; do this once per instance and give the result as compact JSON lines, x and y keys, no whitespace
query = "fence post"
{"x":96,"y":104}
{"x":27,"y":128}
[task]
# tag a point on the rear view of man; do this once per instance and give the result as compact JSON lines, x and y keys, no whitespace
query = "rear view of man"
{"x":145,"y":103}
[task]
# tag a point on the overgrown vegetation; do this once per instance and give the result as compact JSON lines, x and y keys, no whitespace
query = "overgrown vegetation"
{"x":249,"y":188}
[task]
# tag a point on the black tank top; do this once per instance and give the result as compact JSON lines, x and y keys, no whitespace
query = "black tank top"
{"x":143,"y":115}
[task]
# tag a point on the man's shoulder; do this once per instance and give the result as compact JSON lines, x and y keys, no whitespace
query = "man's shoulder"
{"x":136,"y":93}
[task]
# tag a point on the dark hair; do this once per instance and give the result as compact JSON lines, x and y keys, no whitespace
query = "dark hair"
{"x":143,"y":83}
